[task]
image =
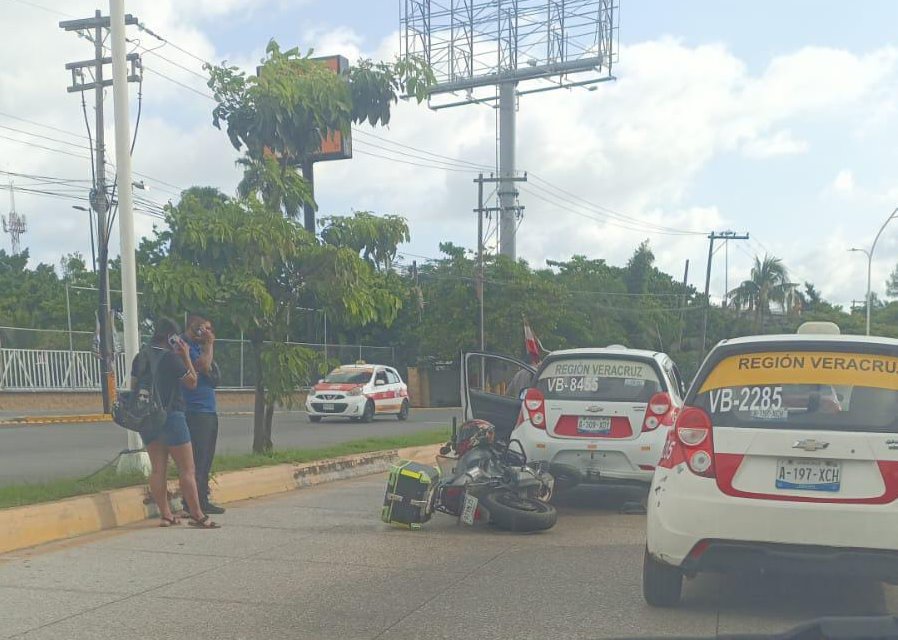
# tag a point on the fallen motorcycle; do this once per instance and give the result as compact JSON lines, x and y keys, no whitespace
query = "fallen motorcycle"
{"x":482,"y":482}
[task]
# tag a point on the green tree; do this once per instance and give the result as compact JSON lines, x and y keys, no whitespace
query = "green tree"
{"x":768,"y":283}
{"x":280,"y":115}
{"x":892,"y":284}
{"x":249,"y":266}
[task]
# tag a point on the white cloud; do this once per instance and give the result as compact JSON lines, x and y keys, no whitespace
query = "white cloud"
{"x":635,"y":146}
{"x":781,"y":143}
{"x":843,"y":182}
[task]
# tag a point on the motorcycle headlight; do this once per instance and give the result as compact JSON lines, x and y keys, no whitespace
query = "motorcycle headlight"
{"x":356,"y":391}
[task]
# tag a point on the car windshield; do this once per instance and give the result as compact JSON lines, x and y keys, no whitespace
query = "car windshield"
{"x":599,"y":378}
{"x":803,"y":390}
{"x":348,"y":376}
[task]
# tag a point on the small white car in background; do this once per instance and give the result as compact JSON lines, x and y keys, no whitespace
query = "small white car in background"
{"x":784,"y":459}
{"x":359,"y":392}
{"x":600,"y":415}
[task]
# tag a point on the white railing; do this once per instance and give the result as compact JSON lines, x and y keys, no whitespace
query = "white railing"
{"x":71,"y":370}
{"x":53,"y":370}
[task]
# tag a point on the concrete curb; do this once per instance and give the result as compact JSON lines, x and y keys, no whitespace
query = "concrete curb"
{"x":29,"y":526}
{"x":73,"y":419}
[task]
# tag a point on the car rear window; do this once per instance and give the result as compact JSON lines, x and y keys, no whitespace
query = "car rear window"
{"x":613,"y":380}
{"x":803,"y":390}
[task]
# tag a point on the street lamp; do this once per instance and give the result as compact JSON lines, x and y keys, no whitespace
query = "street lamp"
{"x":93,"y":250}
{"x":869,"y":255}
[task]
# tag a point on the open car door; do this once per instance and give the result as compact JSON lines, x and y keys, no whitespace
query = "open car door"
{"x":491,"y":388}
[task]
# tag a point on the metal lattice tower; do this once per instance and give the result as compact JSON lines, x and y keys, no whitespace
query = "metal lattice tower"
{"x":14,"y":224}
{"x":477,"y":46}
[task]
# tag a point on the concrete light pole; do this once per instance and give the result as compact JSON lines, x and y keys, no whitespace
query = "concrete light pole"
{"x":135,"y":459}
{"x":869,"y":255}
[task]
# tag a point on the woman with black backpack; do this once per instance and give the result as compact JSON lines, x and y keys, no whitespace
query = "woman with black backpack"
{"x":167,"y":360}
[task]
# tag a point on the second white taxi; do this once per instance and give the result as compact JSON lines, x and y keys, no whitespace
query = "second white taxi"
{"x":359,"y":392}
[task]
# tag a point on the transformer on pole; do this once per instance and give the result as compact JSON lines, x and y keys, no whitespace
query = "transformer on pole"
{"x":486,"y":51}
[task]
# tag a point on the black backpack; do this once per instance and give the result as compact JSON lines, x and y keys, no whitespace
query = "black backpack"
{"x":141,"y":409}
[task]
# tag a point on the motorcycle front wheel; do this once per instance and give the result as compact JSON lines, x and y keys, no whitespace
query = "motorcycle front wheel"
{"x":513,"y":512}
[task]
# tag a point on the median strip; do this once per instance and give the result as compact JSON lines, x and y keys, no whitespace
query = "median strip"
{"x":33,"y":514}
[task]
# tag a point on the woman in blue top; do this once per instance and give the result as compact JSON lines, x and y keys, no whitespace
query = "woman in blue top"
{"x":173,"y":369}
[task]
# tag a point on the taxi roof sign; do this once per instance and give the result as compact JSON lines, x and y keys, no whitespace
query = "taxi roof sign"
{"x":823,"y":328}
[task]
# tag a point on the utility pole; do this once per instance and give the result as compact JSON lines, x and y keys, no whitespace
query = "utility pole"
{"x":683,"y":303}
{"x":712,"y":237}
{"x":481,"y":210}
{"x":93,"y":29}
{"x":135,"y":459}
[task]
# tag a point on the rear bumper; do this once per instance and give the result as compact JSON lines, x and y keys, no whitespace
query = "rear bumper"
{"x":726,"y":556}
{"x":684,"y":510}
{"x":609,"y":461}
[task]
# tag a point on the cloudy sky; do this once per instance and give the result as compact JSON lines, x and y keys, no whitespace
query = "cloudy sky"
{"x":775,"y":118}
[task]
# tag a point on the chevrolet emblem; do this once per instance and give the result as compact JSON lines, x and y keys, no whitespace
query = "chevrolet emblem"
{"x":595,"y":409}
{"x":810,"y":445}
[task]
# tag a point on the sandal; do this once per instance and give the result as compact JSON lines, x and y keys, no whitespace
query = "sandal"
{"x":168,"y":522}
{"x":204,"y":523}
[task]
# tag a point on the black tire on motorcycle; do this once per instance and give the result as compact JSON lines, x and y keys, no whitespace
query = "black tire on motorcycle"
{"x":512,"y":512}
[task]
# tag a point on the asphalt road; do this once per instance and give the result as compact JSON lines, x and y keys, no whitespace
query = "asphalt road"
{"x":318,"y":563}
{"x":40,"y":452}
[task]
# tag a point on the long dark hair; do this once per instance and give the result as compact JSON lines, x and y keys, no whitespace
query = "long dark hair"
{"x":164,"y":328}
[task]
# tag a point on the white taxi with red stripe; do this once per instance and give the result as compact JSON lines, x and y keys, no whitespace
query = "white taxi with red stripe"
{"x":597,"y":415}
{"x":784,"y":459}
{"x":359,"y":392}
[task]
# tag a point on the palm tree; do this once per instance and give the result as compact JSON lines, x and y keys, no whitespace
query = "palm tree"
{"x":769,"y":282}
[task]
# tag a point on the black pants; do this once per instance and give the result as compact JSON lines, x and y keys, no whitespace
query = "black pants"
{"x":204,"y":435}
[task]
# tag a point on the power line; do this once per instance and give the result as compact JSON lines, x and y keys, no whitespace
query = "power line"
{"x":39,"y":146}
{"x":148,"y":31}
{"x":40,"y":124}
{"x":179,"y":83}
{"x":42,"y":8}
{"x":43,"y":137}
{"x":607,"y":211}
{"x":415,"y":164}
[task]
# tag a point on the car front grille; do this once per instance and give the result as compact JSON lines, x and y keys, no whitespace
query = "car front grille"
{"x":338,"y":407}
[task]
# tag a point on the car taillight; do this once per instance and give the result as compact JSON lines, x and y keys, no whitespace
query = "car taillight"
{"x":660,"y":411}
{"x":694,"y":434}
{"x":535,"y":405}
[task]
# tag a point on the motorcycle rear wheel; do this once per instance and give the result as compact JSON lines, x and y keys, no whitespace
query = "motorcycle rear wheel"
{"x":512,"y":512}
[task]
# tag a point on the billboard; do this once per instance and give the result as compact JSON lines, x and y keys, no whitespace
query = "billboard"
{"x":334,"y":145}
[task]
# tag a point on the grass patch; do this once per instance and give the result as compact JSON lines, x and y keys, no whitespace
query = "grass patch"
{"x":17,"y":495}
{"x":248,"y":460}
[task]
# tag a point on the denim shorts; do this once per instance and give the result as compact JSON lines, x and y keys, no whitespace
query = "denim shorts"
{"x":174,"y":432}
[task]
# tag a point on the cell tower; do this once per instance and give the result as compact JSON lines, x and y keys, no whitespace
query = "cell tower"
{"x":14,"y":224}
{"x":481,"y":51}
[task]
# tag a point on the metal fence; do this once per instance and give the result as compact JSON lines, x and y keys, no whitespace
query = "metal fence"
{"x":46,"y":367}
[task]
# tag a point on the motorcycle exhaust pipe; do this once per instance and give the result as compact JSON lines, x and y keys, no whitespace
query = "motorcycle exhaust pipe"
{"x":566,"y":476}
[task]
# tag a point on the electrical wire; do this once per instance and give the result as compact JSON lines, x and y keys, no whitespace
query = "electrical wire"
{"x":43,"y":137}
{"x":179,"y":83}
{"x":93,"y":171}
{"x":39,"y":124}
{"x":39,"y":146}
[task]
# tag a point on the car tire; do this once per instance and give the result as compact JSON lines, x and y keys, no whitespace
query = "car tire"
{"x":403,"y":411}
{"x":314,"y":418}
{"x":368,"y":413}
{"x":662,"y":584}
{"x":512,"y":512}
